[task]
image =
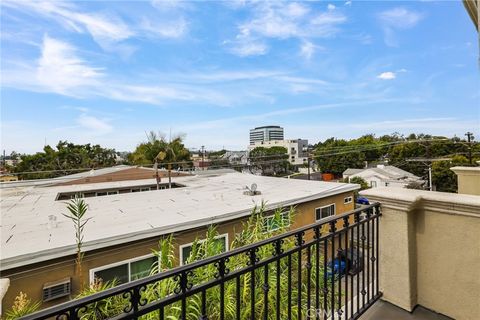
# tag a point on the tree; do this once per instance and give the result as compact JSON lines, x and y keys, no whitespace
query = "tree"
{"x":270,"y":160}
{"x":443,"y":177}
{"x":337,"y":155}
{"x":359,"y":180}
{"x":146,"y":153}
{"x":66,"y":158}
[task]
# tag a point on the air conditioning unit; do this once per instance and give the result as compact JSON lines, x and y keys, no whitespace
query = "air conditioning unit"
{"x":57,"y":289}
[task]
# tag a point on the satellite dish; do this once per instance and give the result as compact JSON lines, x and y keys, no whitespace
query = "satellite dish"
{"x":253,"y":187}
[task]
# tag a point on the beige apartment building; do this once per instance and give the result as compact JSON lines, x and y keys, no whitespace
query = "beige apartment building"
{"x":127,"y":219}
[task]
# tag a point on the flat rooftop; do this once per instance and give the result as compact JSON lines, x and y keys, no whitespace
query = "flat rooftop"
{"x":28,"y":236}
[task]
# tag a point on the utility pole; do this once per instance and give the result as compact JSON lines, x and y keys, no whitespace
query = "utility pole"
{"x":309,"y":167}
{"x":428,"y":162}
{"x":203,"y":157}
{"x":430,"y":177}
{"x":157,"y":178}
{"x":469,"y":140}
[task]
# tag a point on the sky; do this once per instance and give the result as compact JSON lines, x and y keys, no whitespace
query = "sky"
{"x":107,"y":72}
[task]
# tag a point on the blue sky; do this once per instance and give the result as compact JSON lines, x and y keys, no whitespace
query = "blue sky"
{"x":106,"y":72}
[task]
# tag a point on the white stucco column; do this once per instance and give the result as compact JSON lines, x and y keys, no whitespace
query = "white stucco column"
{"x":396,"y":247}
{"x":429,"y":250}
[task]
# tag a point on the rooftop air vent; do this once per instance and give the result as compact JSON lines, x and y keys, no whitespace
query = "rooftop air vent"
{"x":252,"y":191}
{"x":56,"y":289}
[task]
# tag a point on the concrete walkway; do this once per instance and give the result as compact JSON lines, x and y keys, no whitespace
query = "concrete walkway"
{"x":382,"y":310}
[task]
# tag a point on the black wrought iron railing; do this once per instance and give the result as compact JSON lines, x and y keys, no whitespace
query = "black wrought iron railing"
{"x":327,"y":270}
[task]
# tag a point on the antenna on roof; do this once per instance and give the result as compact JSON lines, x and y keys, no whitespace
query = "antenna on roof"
{"x":252,"y":191}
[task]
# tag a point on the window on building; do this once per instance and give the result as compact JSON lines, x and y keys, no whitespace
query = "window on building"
{"x":112,"y":192}
{"x":373,"y":184}
{"x":348,"y":200}
{"x":386,"y":184}
{"x":324,"y":212}
{"x":125,"y":271}
{"x":220,"y":244}
{"x":273,"y":222}
{"x":145,"y":189}
{"x":103,"y":193}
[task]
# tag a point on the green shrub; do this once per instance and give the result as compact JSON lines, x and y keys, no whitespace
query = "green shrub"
{"x":21,"y":307}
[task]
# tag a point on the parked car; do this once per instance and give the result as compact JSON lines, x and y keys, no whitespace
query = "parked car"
{"x":336,"y":268}
{"x":353,"y":261}
{"x":362,"y":200}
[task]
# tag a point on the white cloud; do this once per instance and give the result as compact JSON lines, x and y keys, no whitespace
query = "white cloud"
{"x":98,"y":126}
{"x":60,"y":69}
{"x":168,"y":5}
{"x":348,"y":3}
{"x":279,"y":20}
{"x":307,"y":50}
{"x":397,"y":19}
{"x":105,"y":29}
{"x":400,"y":18}
{"x":331,"y":7}
{"x":249,"y":48}
{"x":165,"y":29}
{"x":387,"y":75}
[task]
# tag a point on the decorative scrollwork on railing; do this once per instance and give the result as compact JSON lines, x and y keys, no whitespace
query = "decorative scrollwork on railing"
{"x":277,"y":247}
{"x":333,"y":226}
{"x":79,"y":312}
{"x":369,"y":212}
{"x":356,"y":217}
{"x":299,"y":241}
{"x":252,"y":256}
{"x":128,"y":295}
{"x":64,"y":316}
{"x":317,"y":233}
{"x":222,"y":269}
{"x":346,"y":223}
{"x":183,"y":283}
{"x":142,"y":300}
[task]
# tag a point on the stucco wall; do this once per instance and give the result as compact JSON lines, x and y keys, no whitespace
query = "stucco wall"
{"x":468,"y":179}
{"x":30,"y":279}
{"x":430,"y":250}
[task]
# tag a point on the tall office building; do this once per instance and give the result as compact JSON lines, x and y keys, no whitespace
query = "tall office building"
{"x":266,"y":133}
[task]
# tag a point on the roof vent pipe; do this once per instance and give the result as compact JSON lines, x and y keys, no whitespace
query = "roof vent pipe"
{"x":52,"y":221}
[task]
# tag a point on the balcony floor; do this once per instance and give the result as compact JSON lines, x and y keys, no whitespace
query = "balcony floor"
{"x":382,"y":310}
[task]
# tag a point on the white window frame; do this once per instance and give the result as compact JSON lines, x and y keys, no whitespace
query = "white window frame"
{"x":116,"y":264}
{"x":328,"y":205}
{"x":348,"y":200}
{"x":180,"y":248}
{"x":286,"y":212}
